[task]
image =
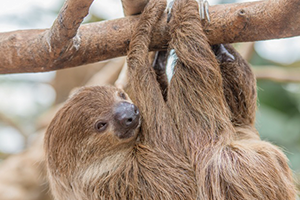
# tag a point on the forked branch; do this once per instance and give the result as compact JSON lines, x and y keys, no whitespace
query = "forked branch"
{"x":60,"y":47}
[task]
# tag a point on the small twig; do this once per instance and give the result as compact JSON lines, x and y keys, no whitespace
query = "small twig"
{"x":4,"y":155}
{"x":277,"y":74}
{"x":6,"y":120}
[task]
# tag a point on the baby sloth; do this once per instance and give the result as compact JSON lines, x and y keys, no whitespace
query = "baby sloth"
{"x":102,"y":146}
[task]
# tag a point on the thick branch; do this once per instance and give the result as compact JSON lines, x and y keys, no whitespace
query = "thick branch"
{"x":28,"y":51}
{"x":44,"y":50}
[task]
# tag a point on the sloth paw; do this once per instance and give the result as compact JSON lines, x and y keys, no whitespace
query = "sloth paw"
{"x":222,"y":54}
{"x":169,"y":10}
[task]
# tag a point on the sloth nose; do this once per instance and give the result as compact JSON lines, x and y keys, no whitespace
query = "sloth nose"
{"x":126,"y":115}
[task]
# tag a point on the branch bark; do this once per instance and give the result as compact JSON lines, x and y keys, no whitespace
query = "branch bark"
{"x":29,"y":51}
{"x":45,"y":50}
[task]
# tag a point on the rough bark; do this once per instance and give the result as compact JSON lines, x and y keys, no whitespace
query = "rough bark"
{"x":37,"y":50}
{"x":29,"y":51}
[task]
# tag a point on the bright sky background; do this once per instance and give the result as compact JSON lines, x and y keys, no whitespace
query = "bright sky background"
{"x":21,"y":99}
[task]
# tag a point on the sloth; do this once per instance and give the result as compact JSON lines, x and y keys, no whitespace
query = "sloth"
{"x":193,"y":138}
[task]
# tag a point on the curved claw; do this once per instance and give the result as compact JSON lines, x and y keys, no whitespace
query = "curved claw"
{"x":169,"y":11}
{"x":203,"y":10}
{"x":206,"y":5}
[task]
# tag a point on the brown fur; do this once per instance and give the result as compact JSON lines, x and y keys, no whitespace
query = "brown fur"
{"x":86,"y":165}
{"x":229,"y":159}
{"x":200,"y":144}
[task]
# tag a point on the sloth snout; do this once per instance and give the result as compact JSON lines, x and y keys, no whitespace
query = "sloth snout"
{"x":126,"y":115}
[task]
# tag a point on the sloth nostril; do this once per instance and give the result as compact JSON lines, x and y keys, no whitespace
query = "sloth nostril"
{"x":129,"y":121}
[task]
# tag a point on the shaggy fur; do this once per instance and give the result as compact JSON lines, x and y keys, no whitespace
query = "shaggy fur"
{"x":200,"y":144}
{"x":229,"y":159}
{"x":86,"y":165}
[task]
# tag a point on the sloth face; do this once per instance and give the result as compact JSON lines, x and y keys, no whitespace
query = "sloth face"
{"x":94,"y":123}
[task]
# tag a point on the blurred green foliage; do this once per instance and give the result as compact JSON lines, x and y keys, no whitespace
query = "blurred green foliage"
{"x":278,"y":115}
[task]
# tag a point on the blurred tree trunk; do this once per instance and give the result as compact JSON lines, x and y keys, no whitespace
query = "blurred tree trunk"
{"x":66,"y":80}
{"x":23,"y":176}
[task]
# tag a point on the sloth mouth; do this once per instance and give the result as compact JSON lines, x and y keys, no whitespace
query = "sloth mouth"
{"x":129,"y":132}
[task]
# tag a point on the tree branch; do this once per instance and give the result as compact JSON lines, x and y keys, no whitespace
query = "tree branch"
{"x":64,"y":29}
{"x":277,"y":74}
{"x":8,"y":121}
{"x":44,"y":50}
{"x":28,"y":51}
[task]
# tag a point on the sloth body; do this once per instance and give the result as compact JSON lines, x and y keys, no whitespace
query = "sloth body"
{"x":88,"y":163}
{"x":194,"y":140}
{"x":99,"y":146}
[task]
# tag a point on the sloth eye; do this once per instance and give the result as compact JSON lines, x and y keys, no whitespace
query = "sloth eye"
{"x":100,"y":126}
{"x":122,"y":95}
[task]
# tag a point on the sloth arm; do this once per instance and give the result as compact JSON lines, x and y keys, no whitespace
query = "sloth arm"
{"x":195,"y":95}
{"x":143,"y":88}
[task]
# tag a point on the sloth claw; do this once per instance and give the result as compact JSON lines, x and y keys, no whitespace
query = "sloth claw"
{"x":169,"y":11}
{"x":203,"y":10}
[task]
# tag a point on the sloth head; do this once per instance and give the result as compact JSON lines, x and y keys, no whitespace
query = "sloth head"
{"x":95,"y":123}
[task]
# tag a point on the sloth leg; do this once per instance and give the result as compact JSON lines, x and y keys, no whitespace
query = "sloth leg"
{"x":239,"y":85}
